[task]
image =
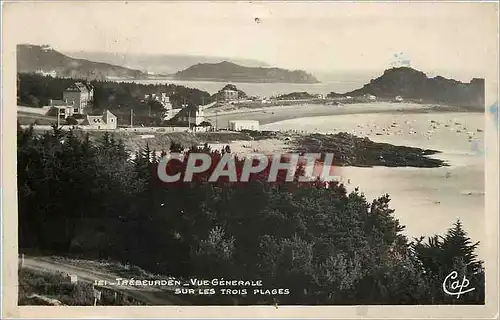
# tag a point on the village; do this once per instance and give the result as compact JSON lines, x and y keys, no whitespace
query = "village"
{"x":75,"y":109}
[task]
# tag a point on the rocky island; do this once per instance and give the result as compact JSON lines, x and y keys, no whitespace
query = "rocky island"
{"x":230,"y":72}
{"x":414,"y":85}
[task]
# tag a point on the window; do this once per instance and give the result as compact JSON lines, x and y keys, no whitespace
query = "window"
{"x":76,"y":110}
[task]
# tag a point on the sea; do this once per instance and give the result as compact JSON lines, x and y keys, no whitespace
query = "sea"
{"x":426,"y":200}
{"x":343,"y":85}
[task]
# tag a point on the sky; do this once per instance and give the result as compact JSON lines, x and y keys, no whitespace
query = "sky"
{"x":458,"y":40}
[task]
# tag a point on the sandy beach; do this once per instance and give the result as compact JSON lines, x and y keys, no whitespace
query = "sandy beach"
{"x":270,"y":114}
{"x":426,"y":200}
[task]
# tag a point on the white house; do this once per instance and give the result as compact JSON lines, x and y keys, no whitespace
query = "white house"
{"x":62,"y":108}
{"x":105,"y":121}
{"x":80,"y":94}
{"x":238,"y":125}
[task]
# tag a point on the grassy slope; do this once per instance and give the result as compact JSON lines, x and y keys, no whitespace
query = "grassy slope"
{"x":57,"y":286}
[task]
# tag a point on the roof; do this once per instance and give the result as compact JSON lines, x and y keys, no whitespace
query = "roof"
{"x":77,"y":86}
{"x":98,"y":119}
{"x":88,"y":85}
{"x":93,"y":120}
{"x":187,"y":111}
{"x":107,"y":113}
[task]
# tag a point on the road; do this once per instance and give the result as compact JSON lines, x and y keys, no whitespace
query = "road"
{"x":144,"y":294}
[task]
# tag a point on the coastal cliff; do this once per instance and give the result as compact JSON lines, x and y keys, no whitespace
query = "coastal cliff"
{"x":33,"y":58}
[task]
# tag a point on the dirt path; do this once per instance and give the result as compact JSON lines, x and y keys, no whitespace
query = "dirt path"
{"x":146,"y":294}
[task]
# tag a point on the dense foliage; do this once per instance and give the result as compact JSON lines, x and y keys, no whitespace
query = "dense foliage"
{"x":325,"y":245}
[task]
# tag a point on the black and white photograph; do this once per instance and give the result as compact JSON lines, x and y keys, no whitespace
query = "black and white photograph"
{"x":263,"y":154}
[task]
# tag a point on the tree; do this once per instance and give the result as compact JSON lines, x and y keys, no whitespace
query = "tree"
{"x":326,"y":245}
{"x":452,"y":252}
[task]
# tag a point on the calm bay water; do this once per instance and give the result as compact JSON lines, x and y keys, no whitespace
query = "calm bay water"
{"x":267,"y":89}
{"x":426,"y":200}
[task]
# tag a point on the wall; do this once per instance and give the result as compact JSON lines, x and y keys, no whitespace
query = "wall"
{"x":138,"y":129}
{"x":238,"y":126}
{"x":76,"y":97}
{"x":111,"y":123}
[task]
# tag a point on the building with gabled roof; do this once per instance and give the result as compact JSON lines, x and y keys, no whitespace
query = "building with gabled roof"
{"x":105,"y":121}
{"x":61,"y":108}
{"x":190,"y":115}
{"x":78,"y":94}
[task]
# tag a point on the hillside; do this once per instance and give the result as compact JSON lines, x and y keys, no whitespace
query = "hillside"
{"x":158,"y":64}
{"x":412,"y":84}
{"x":31,"y":58}
{"x":228,"y":71}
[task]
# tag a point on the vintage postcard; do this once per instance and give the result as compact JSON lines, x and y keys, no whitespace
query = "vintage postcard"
{"x":239,"y":159}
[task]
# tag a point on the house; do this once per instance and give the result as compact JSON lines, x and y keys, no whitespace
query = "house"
{"x":228,"y":95}
{"x":190,"y":115}
{"x":398,"y":99}
{"x":63,"y":108}
{"x":238,"y":125}
{"x":106,"y":121}
{"x":168,"y":111}
{"x":159,"y":97}
{"x":79,"y":95}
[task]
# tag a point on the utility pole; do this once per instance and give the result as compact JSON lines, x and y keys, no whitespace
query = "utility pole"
{"x":189,"y":119}
{"x":58,"y":117}
{"x":131,"y":118}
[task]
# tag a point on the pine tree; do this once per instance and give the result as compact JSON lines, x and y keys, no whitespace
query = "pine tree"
{"x":457,"y":248}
